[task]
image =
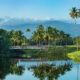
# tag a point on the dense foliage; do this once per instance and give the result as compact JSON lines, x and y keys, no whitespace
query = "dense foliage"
{"x":50,"y":35}
{"x":10,"y":38}
{"x":9,"y":67}
{"x":41,"y":36}
{"x":4,"y":43}
{"x":74,"y":40}
{"x":17,"y":38}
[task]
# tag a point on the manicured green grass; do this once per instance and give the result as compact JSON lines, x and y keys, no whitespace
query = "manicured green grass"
{"x":72,"y":46}
{"x":74,"y":55}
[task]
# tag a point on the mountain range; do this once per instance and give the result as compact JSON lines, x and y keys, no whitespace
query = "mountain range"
{"x":23,"y":24}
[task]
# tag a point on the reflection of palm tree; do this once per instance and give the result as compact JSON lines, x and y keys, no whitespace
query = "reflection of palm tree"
{"x":17,"y":69}
{"x":78,"y":72}
{"x":77,"y":61}
{"x":50,"y":71}
{"x":9,"y":67}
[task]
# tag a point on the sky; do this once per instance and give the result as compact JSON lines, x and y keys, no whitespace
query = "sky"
{"x":37,"y":9}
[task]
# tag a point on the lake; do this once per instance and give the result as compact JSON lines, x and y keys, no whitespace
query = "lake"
{"x":43,"y":70}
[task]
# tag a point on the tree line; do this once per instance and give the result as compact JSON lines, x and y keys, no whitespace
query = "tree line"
{"x":50,"y":36}
{"x":40,"y":36}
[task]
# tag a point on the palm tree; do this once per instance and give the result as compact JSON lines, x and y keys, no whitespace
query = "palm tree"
{"x":38,"y":35}
{"x":40,"y":32}
{"x":55,"y":35}
{"x":48,"y":35}
{"x":74,"y":14}
{"x":61,"y":36}
{"x":67,"y":39}
{"x":27,"y":30}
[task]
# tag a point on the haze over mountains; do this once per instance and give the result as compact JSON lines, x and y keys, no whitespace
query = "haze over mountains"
{"x":23,"y":24}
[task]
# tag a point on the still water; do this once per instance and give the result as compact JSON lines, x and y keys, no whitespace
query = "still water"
{"x":49,"y":70}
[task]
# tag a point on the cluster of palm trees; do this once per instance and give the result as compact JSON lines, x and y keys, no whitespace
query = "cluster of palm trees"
{"x":17,"y":38}
{"x":49,"y":36}
{"x":40,"y":36}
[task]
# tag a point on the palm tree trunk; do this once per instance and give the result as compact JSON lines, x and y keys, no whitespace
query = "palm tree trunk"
{"x":48,"y":42}
{"x":55,"y":42}
{"x":14,"y":43}
{"x":76,"y":31}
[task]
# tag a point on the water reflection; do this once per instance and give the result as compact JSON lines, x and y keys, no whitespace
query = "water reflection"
{"x":58,"y":70}
{"x":9,"y":67}
{"x":49,"y":71}
{"x":78,"y":62}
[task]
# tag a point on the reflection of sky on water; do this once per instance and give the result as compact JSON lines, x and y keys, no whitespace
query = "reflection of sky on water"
{"x":28,"y":75}
{"x":27,"y":64}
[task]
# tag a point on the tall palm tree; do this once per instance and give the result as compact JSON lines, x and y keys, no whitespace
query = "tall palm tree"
{"x":55,"y":34}
{"x":49,"y":34}
{"x":61,"y":36}
{"x":38,"y":35}
{"x":28,"y":30}
{"x":40,"y":32}
{"x":74,"y":14}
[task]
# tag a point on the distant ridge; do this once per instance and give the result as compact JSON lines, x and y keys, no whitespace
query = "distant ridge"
{"x":23,"y":24}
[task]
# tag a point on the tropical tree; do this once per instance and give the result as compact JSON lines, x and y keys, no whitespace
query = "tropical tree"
{"x":48,"y":35}
{"x":17,"y":38}
{"x":61,"y":36}
{"x":24,"y":41}
{"x":4,"y":43}
{"x":74,"y":40}
{"x":68,"y":40}
{"x":40,"y":32}
{"x":27,"y":30}
{"x":38,"y":35}
{"x":74,"y":14}
{"x":55,"y":35}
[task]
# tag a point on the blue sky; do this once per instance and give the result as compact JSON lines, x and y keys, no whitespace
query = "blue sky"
{"x":37,"y":9}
